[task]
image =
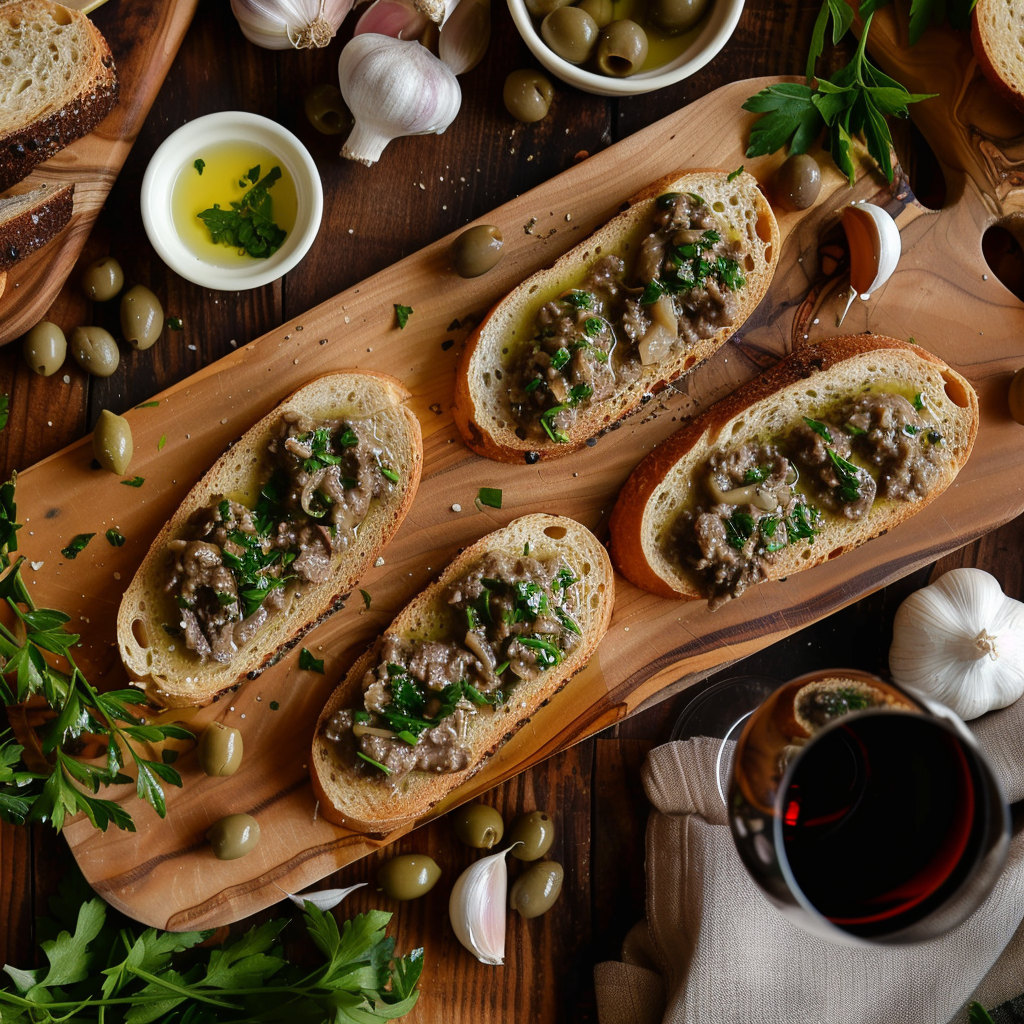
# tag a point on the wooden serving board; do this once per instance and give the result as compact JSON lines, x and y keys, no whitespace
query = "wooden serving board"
{"x":144,"y":38}
{"x":942,"y":294}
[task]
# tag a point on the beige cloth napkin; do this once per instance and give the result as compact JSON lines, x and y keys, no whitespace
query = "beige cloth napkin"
{"x":713,"y":950}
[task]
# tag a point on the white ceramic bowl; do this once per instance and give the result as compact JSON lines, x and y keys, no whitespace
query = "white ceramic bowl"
{"x":215,"y":130}
{"x":720,"y":25}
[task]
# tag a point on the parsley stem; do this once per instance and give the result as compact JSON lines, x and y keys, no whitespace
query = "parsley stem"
{"x":188,"y":993}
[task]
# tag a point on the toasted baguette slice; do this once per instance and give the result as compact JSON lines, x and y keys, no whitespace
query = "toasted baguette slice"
{"x":57,"y":82}
{"x":173,"y":675}
{"x":30,"y":220}
{"x":996,"y":32}
{"x":482,"y":410}
{"x":806,"y":383}
{"x":350,"y":795}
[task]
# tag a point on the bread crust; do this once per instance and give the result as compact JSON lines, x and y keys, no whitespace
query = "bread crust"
{"x":43,"y":214}
{"x":371,"y":804}
{"x":486,"y":432}
{"x":658,"y":485}
{"x":984,"y":50}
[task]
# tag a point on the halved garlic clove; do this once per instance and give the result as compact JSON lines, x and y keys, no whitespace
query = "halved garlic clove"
{"x":875,"y":248}
{"x":477,"y":907}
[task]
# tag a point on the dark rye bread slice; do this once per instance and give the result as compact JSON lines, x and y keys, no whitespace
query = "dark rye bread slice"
{"x":175,"y":676}
{"x":806,"y":383}
{"x":360,"y":797}
{"x":29,"y":220}
{"x":57,"y":82}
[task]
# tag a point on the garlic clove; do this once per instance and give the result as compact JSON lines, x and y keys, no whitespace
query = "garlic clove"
{"x":875,"y":246}
{"x":465,"y":35}
{"x":395,"y":18}
{"x":322,"y":899}
{"x":280,"y":24}
{"x":477,"y":908}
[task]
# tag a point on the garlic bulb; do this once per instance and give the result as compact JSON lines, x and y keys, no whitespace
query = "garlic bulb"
{"x":394,"y":88}
{"x":875,"y":248}
{"x":960,"y":641}
{"x":278,"y":24}
{"x":477,"y":907}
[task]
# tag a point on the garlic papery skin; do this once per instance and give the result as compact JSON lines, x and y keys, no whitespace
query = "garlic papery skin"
{"x":960,"y":641}
{"x":396,"y":18}
{"x":393,"y":88}
{"x":280,"y":24}
{"x":875,"y":246}
{"x":477,"y":908}
{"x":465,"y":35}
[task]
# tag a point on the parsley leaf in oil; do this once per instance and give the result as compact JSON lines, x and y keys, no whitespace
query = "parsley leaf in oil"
{"x":249,"y":225}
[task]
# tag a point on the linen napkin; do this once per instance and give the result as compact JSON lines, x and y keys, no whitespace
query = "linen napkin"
{"x":713,"y":950}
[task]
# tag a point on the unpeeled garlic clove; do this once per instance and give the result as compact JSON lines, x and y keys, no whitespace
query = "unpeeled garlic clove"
{"x":322,"y":899}
{"x":477,"y":908}
{"x":875,"y":248}
{"x":465,"y":35}
{"x":395,"y":18}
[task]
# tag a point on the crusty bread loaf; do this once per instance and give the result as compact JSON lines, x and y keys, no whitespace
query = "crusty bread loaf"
{"x":482,"y":410}
{"x":174,"y":675}
{"x":57,"y":82}
{"x":804,"y":384}
{"x":997,"y":31}
{"x":29,"y":220}
{"x":371,"y":802}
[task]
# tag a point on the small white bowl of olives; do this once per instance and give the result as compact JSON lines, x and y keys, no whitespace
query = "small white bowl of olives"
{"x":624,"y":47}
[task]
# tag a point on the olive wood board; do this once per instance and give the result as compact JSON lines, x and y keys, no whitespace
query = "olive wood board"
{"x":144,"y":38}
{"x":941,"y":293}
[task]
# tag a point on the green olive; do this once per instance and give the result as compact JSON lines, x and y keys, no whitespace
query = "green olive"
{"x":477,"y":250}
{"x":408,"y":877}
{"x":142,"y":317}
{"x":542,"y":8}
{"x":537,"y":888}
{"x":220,"y":749}
{"x":570,"y":33}
{"x":44,"y":348}
{"x":528,"y":95}
{"x":478,"y":825}
{"x":102,"y":279}
{"x":622,"y":48}
{"x":95,"y":350}
{"x":112,"y":442}
{"x":798,"y":181}
{"x":326,"y":110}
{"x":234,"y":836}
{"x":1016,"y":396}
{"x":600,"y":10}
{"x":535,"y":833}
{"x":674,"y":16}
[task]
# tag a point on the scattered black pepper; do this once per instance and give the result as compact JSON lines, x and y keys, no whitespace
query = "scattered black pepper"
{"x":531,"y":457}
{"x":447,"y":344}
{"x":274,"y":705}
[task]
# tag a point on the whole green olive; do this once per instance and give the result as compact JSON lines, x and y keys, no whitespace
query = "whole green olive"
{"x":535,"y":832}
{"x":622,"y":48}
{"x":112,"y":442}
{"x":220,"y":749}
{"x":44,"y":348}
{"x":570,"y":33}
{"x":478,"y":825}
{"x":537,"y":888}
{"x":234,"y":836}
{"x":674,"y":16}
{"x":798,"y":181}
{"x":326,"y":110}
{"x":477,"y":250}
{"x":102,"y":279}
{"x":142,"y":317}
{"x":1015,"y":396}
{"x":600,"y":10}
{"x":527,"y":95}
{"x":542,"y":8}
{"x":408,"y":876}
{"x":95,"y":350}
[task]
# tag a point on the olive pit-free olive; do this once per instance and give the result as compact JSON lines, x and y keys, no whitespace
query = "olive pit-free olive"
{"x":326,"y":110}
{"x":220,"y":750}
{"x":1015,"y":396}
{"x":537,"y":888}
{"x":676,"y":15}
{"x":102,"y":279}
{"x":142,"y":317}
{"x":798,"y":181}
{"x":234,"y":836}
{"x":600,"y":10}
{"x":571,"y":33}
{"x":528,"y":95}
{"x":408,"y":876}
{"x":534,"y":832}
{"x":94,"y":350}
{"x":112,"y":442}
{"x":622,"y":48}
{"x":477,"y":250}
{"x":44,"y":348}
{"x":478,"y":825}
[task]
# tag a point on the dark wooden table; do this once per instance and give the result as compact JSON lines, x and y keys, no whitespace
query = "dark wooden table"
{"x":422,"y":189}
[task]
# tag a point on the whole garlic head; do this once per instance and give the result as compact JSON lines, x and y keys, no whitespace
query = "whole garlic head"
{"x":960,"y":641}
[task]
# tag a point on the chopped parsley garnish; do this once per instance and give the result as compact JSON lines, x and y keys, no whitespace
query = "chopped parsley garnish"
{"x":686,"y":269}
{"x":361,"y":717}
{"x":148,"y":405}
{"x":565,"y":579}
{"x":666,"y":200}
{"x":115,"y":538}
{"x":820,"y":429}
{"x":319,"y":443}
{"x":567,"y":621}
{"x":592,"y":326}
{"x":547,"y":654}
{"x":546,"y":417}
{"x":402,"y":314}
{"x":160,"y":444}
{"x":366,"y":599}
{"x":376,"y":764}
{"x":252,"y":569}
{"x":738,"y":529}
{"x":388,"y":472}
{"x":579,"y":393}
{"x":199,"y":165}
{"x":534,"y":384}
{"x":307,"y":661}
{"x":848,"y":474}
{"x":854,"y":431}
{"x":136,"y":481}
{"x":560,"y":358}
{"x":173,"y":323}
{"x":76,"y":545}
{"x":757,"y":475}
{"x":489,"y":496}
{"x":493,"y":698}
{"x":224,"y":599}
{"x":348,"y":438}
{"x":698,"y":199}
{"x":919,"y":401}
{"x":579,"y":299}
{"x":910,"y":429}
{"x":733,"y":175}
{"x":803,"y":522}
{"x":248,"y":226}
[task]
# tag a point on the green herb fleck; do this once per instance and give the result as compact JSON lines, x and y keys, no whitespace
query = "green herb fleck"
{"x":376,"y":764}
{"x":546,"y":653}
{"x":5,"y":410}
{"x":489,"y":496}
{"x":733,"y":175}
{"x":738,"y":529}
{"x":361,"y":717}
{"x":173,"y":323}
{"x":115,"y":538}
{"x":757,"y":475}
{"x":308,"y":662}
{"x":977,"y":1014}
{"x":533,"y":385}
{"x":402,"y":314}
{"x":919,"y":401}
{"x":366,"y":599}
{"x":199,"y":165}
{"x":77,"y":545}
{"x":579,"y":299}
{"x":820,"y":429}
{"x":389,"y":473}
{"x":148,"y":405}
{"x":274,"y":706}
{"x":546,"y":418}
{"x":136,"y":481}
{"x":160,"y":444}
{"x":593,"y":325}
{"x":248,"y":226}
{"x":848,"y":474}
{"x":560,"y":358}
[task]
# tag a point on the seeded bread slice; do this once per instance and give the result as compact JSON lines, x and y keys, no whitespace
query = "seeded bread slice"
{"x":30,"y":220}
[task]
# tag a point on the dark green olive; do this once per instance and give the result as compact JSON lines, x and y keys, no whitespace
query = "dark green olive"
{"x":44,"y":348}
{"x":477,"y":250}
{"x":537,"y":888}
{"x":798,"y":181}
{"x":542,"y":8}
{"x":102,"y":279}
{"x":528,"y":95}
{"x":234,"y":836}
{"x":112,"y":443}
{"x":95,"y":350}
{"x":326,"y":110}
{"x":674,"y":16}
{"x":142,"y":317}
{"x":478,"y":825}
{"x":408,"y":877}
{"x":535,"y":832}
{"x":600,"y":10}
{"x":570,"y":33}
{"x":220,"y":747}
{"x":622,"y":48}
